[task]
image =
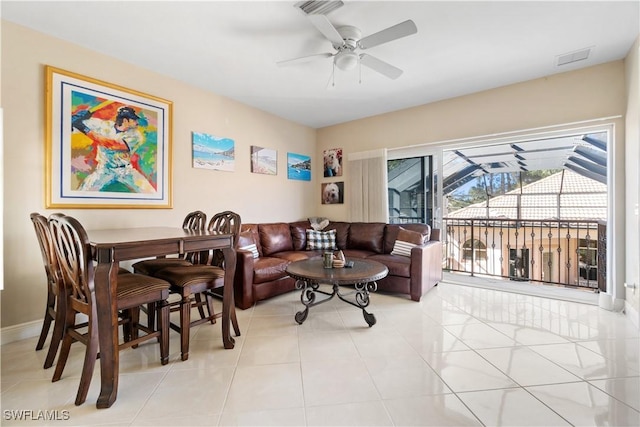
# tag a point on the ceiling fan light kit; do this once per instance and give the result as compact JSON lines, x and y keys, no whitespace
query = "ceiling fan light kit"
{"x":346,"y":40}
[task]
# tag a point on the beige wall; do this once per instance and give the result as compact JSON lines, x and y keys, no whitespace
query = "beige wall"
{"x":632,"y":157}
{"x":583,"y":95}
{"x":255,"y":197}
{"x":570,"y":97}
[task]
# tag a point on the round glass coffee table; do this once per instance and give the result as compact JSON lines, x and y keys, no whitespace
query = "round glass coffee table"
{"x":310,"y":274}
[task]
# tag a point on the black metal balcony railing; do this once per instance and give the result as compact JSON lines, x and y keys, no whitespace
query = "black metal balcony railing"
{"x":560,"y":252}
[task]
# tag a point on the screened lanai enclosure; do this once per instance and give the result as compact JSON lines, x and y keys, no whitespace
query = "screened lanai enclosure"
{"x":533,"y":210}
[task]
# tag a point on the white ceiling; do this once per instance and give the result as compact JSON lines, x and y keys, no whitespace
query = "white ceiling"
{"x":231,"y":47}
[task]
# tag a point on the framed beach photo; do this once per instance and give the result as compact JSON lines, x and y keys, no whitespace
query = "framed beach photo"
{"x":106,"y":146}
{"x":298,"y":167}
{"x":264,"y":160}
{"x":212,"y":152}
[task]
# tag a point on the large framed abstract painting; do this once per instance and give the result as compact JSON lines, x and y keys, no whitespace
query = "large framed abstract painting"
{"x":298,"y":167}
{"x":106,"y":146}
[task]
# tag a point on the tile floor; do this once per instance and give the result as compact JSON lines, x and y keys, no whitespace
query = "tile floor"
{"x":462,"y":356}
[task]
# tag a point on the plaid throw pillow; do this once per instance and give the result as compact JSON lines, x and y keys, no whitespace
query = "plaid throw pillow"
{"x":321,"y":240}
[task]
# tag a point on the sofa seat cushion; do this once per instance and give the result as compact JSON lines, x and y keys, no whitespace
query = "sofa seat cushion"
{"x":266,"y":269}
{"x":293,"y":256}
{"x":398,"y":265}
{"x":357,"y":253}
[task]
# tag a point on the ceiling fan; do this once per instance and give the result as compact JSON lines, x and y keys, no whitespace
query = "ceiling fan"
{"x":347,"y":41}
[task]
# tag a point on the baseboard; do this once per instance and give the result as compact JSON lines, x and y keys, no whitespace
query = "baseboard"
{"x":20,"y":332}
{"x":632,"y":314}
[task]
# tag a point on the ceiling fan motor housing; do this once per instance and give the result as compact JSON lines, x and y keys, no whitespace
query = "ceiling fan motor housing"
{"x":346,"y":59}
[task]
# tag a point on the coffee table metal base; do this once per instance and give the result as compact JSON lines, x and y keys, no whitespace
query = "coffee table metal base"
{"x":360,"y":298}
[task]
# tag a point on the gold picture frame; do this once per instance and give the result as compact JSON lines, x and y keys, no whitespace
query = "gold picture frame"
{"x":106,"y":146}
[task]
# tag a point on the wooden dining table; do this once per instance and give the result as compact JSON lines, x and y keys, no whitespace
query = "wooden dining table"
{"x":110,"y":247}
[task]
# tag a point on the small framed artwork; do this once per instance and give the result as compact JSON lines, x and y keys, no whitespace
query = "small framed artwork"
{"x":106,"y":146}
{"x":333,"y":193}
{"x":298,"y":167}
{"x":264,"y":160}
{"x":332,"y":162}
{"x":212,"y":152}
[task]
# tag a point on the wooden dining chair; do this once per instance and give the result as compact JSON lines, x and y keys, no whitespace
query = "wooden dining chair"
{"x":54,"y":310}
{"x":73,"y":251}
{"x":206,"y":274}
{"x":196,"y":220}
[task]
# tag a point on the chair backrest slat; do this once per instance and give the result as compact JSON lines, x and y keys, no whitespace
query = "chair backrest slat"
{"x":73,"y":250}
{"x":47,"y":250}
{"x":227,"y":222}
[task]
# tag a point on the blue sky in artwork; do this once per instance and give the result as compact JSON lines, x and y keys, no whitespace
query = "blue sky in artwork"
{"x":293,"y":158}
{"x":211,"y":143}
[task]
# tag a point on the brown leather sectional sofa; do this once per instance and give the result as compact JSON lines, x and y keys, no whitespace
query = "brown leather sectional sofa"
{"x":279,"y":244}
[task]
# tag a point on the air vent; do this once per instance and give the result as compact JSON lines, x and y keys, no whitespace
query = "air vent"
{"x":576,"y":56}
{"x":318,"y":7}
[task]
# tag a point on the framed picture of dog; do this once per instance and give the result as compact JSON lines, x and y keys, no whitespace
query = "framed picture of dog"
{"x":332,"y":162}
{"x":333,"y":193}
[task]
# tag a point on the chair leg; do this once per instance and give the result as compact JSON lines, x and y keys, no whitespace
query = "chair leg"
{"x":185,"y":325}
{"x":234,"y":320}
{"x":151,"y":316}
{"x":198,"y":298}
{"x":69,"y":322}
{"x":89,"y":363}
{"x":209,"y":299}
{"x":134,"y":317}
{"x":56,"y":337}
{"x":163,"y":326}
{"x":46,"y":323}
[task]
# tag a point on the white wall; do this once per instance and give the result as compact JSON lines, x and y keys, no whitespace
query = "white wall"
{"x":632,"y":158}
{"x":258,"y":198}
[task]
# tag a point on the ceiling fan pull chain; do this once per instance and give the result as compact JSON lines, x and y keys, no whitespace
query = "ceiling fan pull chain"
{"x":359,"y":72}
{"x":333,"y":75}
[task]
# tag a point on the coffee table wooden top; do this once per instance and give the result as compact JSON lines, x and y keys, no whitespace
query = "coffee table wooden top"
{"x":363,"y":271}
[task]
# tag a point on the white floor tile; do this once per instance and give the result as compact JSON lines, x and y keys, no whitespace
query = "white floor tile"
{"x":526,"y":367}
{"x":510,"y":407}
{"x":461,"y":356}
{"x":626,"y":390}
{"x":349,"y":414}
{"x":585,"y":405}
{"x":585,"y":363}
{"x":439,"y":410}
{"x":467,"y":371}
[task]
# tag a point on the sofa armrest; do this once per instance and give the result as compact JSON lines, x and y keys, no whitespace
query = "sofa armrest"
{"x":243,"y":281}
{"x":426,"y":268}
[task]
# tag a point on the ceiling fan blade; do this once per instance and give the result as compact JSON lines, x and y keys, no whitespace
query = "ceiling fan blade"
{"x":321,"y":22}
{"x":380,"y":66}
{"x":400,"y":30}
{"x":304,"y":59}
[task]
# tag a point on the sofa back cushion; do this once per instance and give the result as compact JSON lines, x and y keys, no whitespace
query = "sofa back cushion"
{"x":391,"y":233}
{"x":275,"y":237}
{"x":299,"y":234}
{"x":368,"y":236}
{"x":342,"y":232}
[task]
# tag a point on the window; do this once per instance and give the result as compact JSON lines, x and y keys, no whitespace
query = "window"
{"x":410,"y":187}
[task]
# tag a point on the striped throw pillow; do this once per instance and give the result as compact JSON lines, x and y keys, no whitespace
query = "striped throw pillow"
{"x":253,"y":248}
{"x":321,"y":240}
{"x":406,"y":241}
